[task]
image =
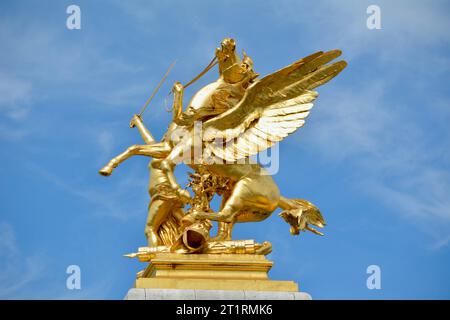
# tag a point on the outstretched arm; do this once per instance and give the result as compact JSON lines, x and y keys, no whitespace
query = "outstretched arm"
{"x":159,"y":150}
{"x":177,"y":109}
{"x":136,"y":121}
{"x":177,"y":106}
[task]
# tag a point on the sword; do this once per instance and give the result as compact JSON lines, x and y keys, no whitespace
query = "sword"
{"x":157,"y":88}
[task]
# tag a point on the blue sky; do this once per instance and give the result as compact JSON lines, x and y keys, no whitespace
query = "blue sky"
{"x":374,"y":154}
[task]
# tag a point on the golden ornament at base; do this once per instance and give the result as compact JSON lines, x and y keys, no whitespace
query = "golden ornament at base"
{"x":211,"y":272}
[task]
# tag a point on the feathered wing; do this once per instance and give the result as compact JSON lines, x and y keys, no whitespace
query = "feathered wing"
{"x":271,"y":109}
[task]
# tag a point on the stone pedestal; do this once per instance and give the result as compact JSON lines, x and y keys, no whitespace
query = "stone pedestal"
{"x":174,"y":294}
{"x":211,"y":277}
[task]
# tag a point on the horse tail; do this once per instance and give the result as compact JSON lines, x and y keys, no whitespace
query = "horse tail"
{"x":300,"y":214}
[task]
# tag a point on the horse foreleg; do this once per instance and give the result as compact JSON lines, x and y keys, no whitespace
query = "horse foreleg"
{"x":156,"y":150}
{"x":236,"y":206}
{"x":226,"y":215}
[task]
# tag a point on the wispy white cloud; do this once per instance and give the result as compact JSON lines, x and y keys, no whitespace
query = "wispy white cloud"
{"x":9,"y":133}
{"x":105,"y":141}
{"x":396,"y":163}
{"x":19,"y":269}
{"x":20,"y":272}
{"x":116,"y":202}
{"x":369,"y":124}
{"x":44,"y":58}
{"x":405,"y":25}
{"x":422,"y":196}
{"x":441,"y":243}
{"x":15,"y":94}
{"x":15,"y":100}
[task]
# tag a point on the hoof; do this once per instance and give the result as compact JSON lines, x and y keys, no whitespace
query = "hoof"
{"x":105,"y":171}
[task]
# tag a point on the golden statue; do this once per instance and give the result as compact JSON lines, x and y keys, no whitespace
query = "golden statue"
{"x":226,"y":123}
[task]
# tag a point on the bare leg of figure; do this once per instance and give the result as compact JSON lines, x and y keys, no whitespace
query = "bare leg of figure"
{"x":178,"y":213}
{"x":158,"y":211}
{"x":176,"y":155}
{"x":168,"y":165}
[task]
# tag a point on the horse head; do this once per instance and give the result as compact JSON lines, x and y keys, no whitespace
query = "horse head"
{"x":231,"y":68}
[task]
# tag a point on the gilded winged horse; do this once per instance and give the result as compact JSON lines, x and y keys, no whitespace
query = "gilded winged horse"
{"x":240,"y":115}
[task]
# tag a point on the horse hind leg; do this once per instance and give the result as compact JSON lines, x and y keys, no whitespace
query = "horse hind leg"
{"x":114,"y":162}
{"x":155,"y":150}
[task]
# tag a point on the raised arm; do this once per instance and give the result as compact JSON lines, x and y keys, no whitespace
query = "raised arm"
{"x":136,"y":121}
{"x":177,"y":106}
{"x":151,"y":148}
